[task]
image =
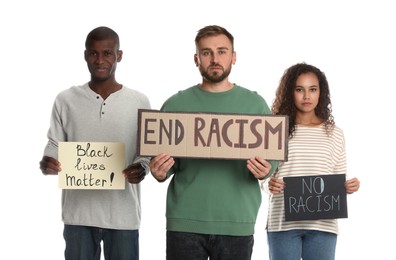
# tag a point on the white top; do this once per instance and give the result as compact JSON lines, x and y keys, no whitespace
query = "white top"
{"x":311,"y":152}
{"x":80,"y":114}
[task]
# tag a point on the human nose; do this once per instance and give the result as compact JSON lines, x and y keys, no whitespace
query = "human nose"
{"x":214,"y":58}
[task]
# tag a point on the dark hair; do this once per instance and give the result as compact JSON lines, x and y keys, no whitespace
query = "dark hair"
{"x":102,"y":33}
{"x":213,"y":30}
{"x":284,"y":102}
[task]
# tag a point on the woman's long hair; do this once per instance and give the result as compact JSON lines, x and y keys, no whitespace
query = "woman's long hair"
{"x":284,"y":99}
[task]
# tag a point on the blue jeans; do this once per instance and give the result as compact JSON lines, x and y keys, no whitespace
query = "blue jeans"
{"x":301,"y":244}
{"x":191,"y":246}
{"x":83,"y":243}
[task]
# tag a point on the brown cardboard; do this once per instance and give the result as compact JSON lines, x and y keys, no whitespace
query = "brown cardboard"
{"x":212,"y":135}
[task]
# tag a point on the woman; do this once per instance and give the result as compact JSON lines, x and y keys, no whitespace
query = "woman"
{"x":316,"y":147}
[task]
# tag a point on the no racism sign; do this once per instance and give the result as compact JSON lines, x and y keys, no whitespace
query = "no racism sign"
{"x":208,"y":135}
{"x":315,"y":197}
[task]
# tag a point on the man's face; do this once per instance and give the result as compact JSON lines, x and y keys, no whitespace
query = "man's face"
{"x":215,"y":57}
{"x":102,"y":57}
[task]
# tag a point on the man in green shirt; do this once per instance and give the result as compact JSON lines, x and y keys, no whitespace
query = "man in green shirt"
{"x":212,"y":204}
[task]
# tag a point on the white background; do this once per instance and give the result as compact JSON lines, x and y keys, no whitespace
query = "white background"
{"x":42,"y":44}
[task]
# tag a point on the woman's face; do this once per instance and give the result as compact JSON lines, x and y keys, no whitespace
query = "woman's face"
{"x":306,"y":93}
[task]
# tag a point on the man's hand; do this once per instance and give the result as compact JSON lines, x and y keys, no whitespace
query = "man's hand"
{"x":134,"y":173}
{"x":259,"y":167}
{"x":50,"y":166}
{"x":160,"y":165}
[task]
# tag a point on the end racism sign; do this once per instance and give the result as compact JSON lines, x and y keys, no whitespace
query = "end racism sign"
{"x":91,"y":165}
{"x":315,"y":197}
{"x":206,"y":135}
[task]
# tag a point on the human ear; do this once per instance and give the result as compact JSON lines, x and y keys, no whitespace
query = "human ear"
{"x":119,"y":55}
{"x":196,"y":60}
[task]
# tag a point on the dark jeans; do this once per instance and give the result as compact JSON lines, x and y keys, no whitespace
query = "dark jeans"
{"x":191,"y":246}
{"x":83,"y":243}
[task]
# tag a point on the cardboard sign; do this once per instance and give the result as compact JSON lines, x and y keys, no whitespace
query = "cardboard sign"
{"x":206,"y":135}
{"x":91,"y":165}
{"x":315,"y":197}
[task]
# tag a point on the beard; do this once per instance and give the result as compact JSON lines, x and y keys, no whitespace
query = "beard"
{"x":216,"y":76}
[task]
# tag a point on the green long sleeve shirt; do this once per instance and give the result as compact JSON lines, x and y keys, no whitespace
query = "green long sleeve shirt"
{"x":214,"y":196}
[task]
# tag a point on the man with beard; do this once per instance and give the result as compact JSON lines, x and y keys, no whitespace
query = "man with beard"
{"x":212,"y":204}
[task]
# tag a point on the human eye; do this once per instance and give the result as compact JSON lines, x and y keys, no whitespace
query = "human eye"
{"x":108,"y":53}
{"x":222,"y":51}
{"x":91,"y":53}
{"x":206,"y":53}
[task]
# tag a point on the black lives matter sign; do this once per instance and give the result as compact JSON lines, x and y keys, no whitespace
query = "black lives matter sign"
{"x":91,"y":165}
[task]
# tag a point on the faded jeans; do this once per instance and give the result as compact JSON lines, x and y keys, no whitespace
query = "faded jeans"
{"x":301,"y":244}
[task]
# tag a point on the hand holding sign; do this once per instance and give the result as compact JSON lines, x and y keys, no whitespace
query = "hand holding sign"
{"x":50,"y":166}
{"x":259,"y":167}
{"x":160,"y":165}
{"x":276,"y":185}
{"x":134,"y":173}
{"x":352,"y":185}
